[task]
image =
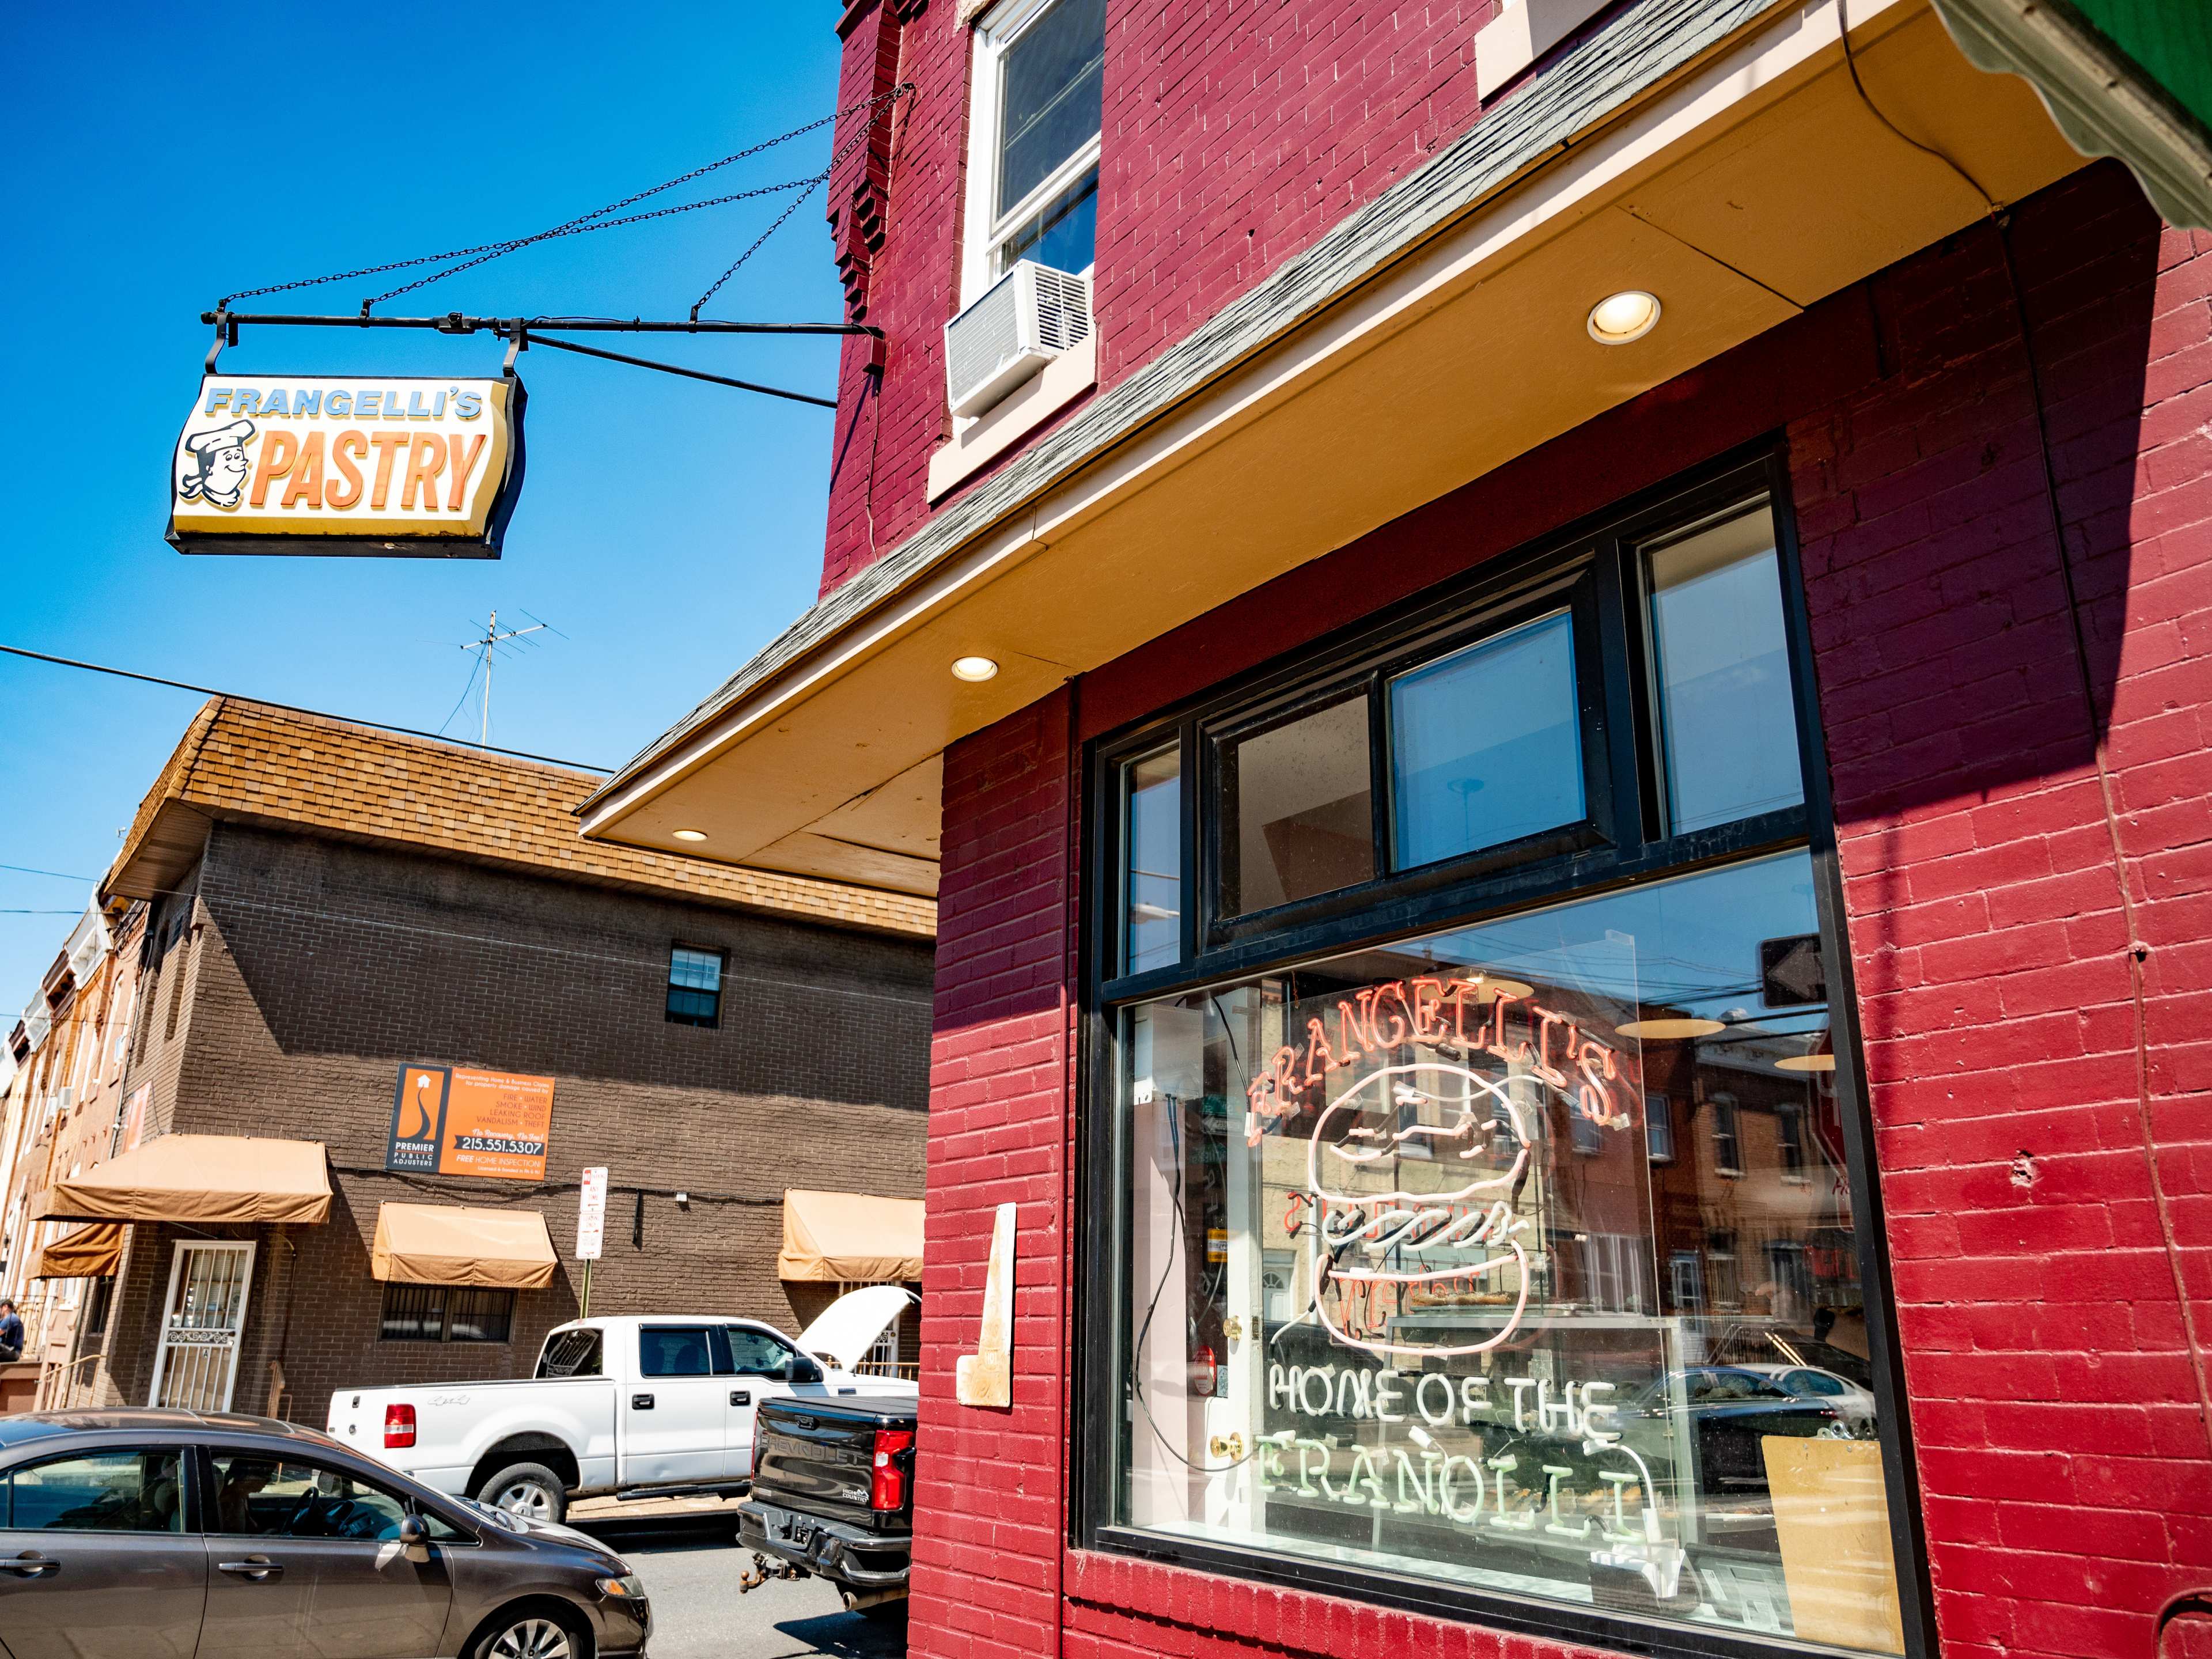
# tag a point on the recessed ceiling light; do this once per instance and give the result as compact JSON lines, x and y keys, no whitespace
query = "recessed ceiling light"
{"x":1806,"y":1063}
{"x":1664,"y":1030}
{"x":1490,"y":988}
{"x":1620,"y":317}
{"x":976,"y":669}
{"x":690,"y":835}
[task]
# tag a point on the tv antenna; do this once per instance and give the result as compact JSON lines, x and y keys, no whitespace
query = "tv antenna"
{"x":489,"y":647}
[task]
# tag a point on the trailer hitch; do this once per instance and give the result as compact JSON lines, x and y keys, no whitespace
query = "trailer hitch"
{"x":763,"y":1570}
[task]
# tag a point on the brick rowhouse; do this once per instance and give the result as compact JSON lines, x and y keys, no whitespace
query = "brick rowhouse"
{"x":1988,"y":447}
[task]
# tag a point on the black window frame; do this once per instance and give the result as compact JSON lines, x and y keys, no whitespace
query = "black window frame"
{"x":446,"y":1293}
{"x":1624,"y":841}
{"x":1535,"y":587}
{"x":712,"y":1022}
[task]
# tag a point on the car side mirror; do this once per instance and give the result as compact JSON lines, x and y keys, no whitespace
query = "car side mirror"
{"x":414,"y":1538}
{"x":799,"y":1368}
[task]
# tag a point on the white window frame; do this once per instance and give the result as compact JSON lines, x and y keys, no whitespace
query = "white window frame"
{"x":985,"y":231}
{"x":1728,"y":1136}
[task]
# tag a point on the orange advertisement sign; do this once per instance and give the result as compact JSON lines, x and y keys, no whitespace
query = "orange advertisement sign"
{"x":452,"y":1119}
{"x":497,"y":1124}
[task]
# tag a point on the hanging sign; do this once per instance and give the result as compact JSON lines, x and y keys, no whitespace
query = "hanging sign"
{"x":451,"y":1120}
{"x":406,"y":467}
{"x":592,"y":1213}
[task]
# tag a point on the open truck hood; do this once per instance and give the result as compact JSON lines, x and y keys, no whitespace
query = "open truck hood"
{"x":848,"y":1327}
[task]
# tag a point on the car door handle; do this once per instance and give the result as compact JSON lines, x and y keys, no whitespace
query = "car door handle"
{"x":741,"y":1396}
{"x":254,"y":1567}
{"x":31,"y":1565}
{"x":640,"y":1402}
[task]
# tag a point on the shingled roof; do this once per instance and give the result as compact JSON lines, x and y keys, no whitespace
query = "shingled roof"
{"x":248,"y":763}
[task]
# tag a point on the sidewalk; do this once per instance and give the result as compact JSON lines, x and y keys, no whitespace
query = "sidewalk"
{"x":588,"y":1510}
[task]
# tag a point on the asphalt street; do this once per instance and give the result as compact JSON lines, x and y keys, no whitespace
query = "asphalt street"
{"x":691,"y":1567}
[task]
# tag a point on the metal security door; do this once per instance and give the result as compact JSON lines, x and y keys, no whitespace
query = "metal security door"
{"x":196,"y":1364}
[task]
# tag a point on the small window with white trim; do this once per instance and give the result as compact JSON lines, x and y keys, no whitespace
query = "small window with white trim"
{"x":1033,"y":133}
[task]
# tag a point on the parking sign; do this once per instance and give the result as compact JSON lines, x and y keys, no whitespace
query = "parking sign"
{"x":592,"y":1213}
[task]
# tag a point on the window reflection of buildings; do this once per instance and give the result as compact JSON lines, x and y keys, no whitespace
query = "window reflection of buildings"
{"x":1750,"y":1208}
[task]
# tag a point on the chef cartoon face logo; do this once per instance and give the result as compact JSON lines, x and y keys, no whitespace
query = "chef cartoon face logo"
{"x":1370,"y":1248}
{"x":212,"y":465}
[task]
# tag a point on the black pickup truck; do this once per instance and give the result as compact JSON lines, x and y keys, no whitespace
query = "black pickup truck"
{"x":833,"y":1497}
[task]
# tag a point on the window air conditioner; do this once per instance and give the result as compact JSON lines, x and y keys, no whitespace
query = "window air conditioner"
{"x":1021,"y":323}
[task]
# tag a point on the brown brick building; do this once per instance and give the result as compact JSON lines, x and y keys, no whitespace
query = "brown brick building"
{"x":329,"y":905}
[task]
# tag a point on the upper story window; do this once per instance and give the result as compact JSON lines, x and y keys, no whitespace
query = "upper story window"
{"x":1033,"y":166}
{"x":694,"y":986}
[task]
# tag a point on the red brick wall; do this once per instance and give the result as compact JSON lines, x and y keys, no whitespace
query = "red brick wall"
{"x":1232,"y":137}
{"x":2045,"y":1145}
{"x":1975,"y":735}
{"x":988,"y":1566}
{"x":887,"y":426}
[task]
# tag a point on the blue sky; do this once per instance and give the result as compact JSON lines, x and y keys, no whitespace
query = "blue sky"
{"x":166,"y":156}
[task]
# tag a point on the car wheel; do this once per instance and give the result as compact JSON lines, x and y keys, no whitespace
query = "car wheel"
{"x":529,"y":1489}
{"x":530,"y":1633}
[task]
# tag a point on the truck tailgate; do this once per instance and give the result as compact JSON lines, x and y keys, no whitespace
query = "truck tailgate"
{"x":816,"y":1457}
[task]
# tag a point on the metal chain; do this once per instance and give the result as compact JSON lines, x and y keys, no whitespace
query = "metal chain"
{"x":812,"y":185}
{"x":494,"y":249}
{"x":579,"y":228}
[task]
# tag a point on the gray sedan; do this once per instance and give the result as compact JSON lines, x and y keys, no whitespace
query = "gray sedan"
{"x":168,"y":1534}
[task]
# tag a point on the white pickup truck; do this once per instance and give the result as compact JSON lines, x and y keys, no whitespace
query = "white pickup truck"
{"x":659,"y":1404}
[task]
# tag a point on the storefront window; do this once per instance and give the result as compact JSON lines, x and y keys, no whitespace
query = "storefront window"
{"x":1727,"y":719}
{"x":1411,"y":1289}
{"x":1486,"y":744}
{"x":1476,"y":1197}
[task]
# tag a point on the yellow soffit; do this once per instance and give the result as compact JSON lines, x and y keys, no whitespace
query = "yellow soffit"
{"x":1750,"y":186}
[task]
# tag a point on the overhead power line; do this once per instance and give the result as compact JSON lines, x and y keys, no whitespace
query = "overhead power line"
{"x":454,"y":260}
{"x":289,"y":708}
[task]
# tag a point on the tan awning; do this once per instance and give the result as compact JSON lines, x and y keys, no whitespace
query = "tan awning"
{"x":446,"y":1244}
{"x":199,"y":1178}
{"x":850,"y":1239}
{"x":93,"y":1251}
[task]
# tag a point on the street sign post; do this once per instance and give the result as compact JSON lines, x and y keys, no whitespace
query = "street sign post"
{"x":591,"y":1228}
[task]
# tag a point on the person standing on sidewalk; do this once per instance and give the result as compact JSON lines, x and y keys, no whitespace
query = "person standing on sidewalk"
{"x":11,"y":1333}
